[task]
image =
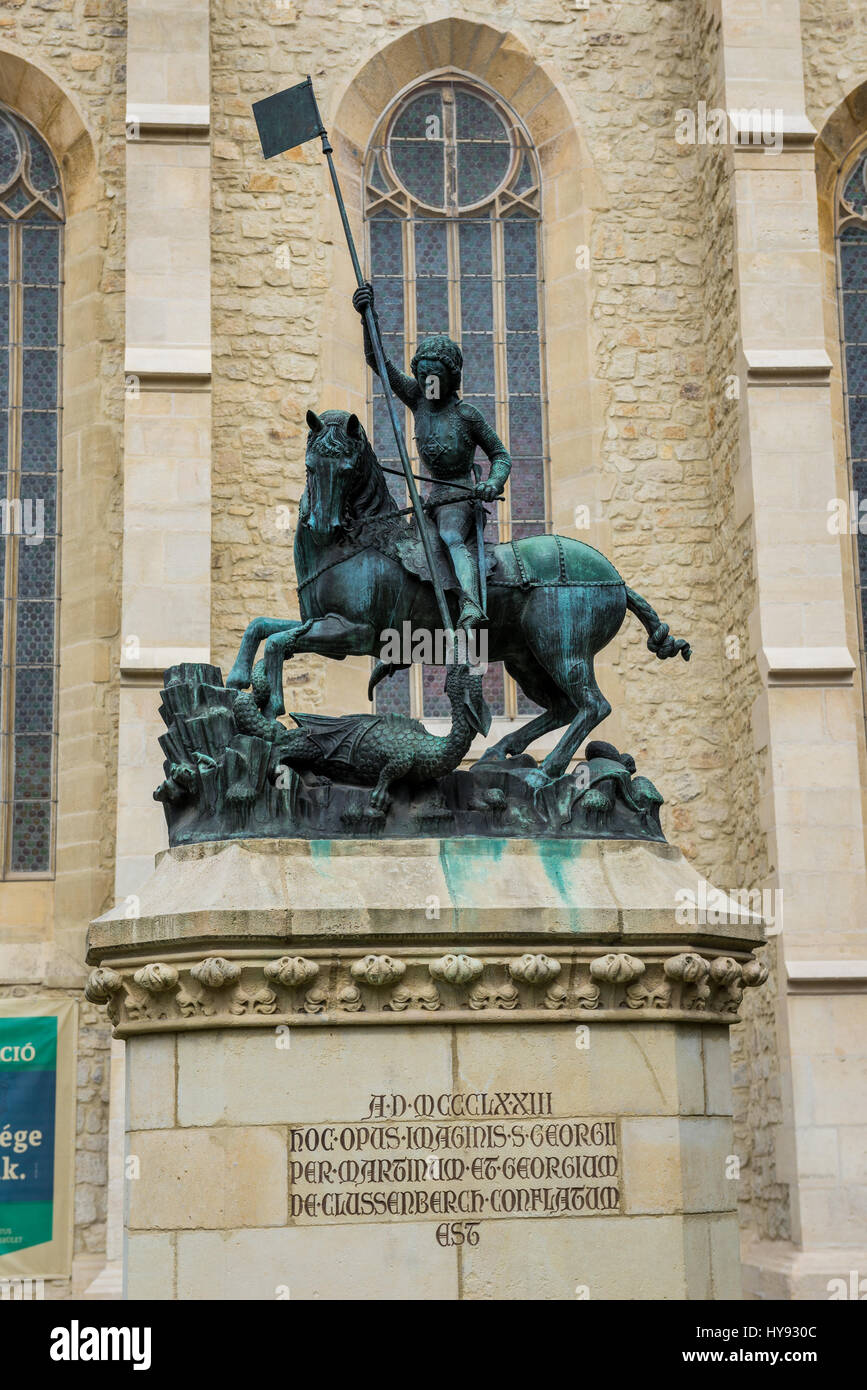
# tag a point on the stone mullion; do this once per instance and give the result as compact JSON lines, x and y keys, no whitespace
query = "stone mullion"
{"x":501,"y":371}
{"x":10,"y":590}
{"x":501,"y":407}
{"x":410,"y":333}
{"x":543,"y":379}
{"x":845,"y":218}
{"x":453,"y":270}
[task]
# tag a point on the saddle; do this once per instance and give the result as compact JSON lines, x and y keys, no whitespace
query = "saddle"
{"x":399,"y":539}
{"x":543,"y":561}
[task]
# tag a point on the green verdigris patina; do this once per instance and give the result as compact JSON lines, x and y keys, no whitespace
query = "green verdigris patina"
{"x":543,"y":605}
{"x":372,"y":775}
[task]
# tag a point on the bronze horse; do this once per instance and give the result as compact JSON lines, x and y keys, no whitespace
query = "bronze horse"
{"x":553,"y":602}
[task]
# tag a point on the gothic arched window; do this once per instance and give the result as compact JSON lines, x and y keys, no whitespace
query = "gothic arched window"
{"x":452,"y":207}
{"x":31,"y":218}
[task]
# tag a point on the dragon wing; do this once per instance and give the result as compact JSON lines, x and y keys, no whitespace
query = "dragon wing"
{"x":337,"y":736}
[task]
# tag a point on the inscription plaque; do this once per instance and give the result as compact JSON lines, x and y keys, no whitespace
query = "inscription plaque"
{"x":460,"y":1158}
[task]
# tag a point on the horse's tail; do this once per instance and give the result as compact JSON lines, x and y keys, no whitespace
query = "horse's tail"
{"x":658,"y":640}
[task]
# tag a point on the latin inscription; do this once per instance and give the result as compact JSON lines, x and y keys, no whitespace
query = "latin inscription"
{"x":456,"y":1159}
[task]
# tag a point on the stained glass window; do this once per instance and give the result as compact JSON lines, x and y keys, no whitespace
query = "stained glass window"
{"x":31,"y":218}
{"x":452,"y":202}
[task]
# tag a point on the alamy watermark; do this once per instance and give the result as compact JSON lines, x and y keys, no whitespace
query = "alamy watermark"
{"x":23,"y":517}
{"x":746,"y":126}
{"x":855,"y":1287}
{"x":709,"y":906}
{"x":22,"y":1290}
{"x":434,"y":646}
{"x":847,"y":515}
{"x":77,"y":1343}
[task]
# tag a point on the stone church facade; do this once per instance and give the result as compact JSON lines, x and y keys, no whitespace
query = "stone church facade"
{"x":651,"y":240}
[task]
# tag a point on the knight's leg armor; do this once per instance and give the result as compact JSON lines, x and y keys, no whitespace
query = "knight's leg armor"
{"x":455,"y":524}
{"x":467,"y":576}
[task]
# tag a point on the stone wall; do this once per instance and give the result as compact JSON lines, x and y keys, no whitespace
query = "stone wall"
{"x":62,"y":67}
{"x":270,"y":271}
{"x":834,"y":40}
{"x":82,"y":45}
{"x":755,"y":1047}
{"x":663,"y":339}
{"x":91,"y":1128}
{"x":648,"y":258}
{"x":835,"y":63}
{"x":834,"y":36}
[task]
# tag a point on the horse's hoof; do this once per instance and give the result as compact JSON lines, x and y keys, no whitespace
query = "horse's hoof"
{"x":494,"y":755}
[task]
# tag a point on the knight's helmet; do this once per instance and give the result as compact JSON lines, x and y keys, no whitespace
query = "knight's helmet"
{"x":441,"y":346}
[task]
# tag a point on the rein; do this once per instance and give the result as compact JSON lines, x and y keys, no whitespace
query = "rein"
{"x":377,"y":520}
{"x":405,"y":511}
{"x":341,"y":560}
{"x":422,"y":478}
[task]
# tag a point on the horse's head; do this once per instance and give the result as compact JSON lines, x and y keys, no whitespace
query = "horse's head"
{"x":344,"y":481}
{"x":336,"y":446}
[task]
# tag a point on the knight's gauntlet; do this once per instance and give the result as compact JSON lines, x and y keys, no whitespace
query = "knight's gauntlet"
{"x":498,"y":475}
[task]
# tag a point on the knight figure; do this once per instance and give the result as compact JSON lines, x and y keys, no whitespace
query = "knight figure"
{"x":447,"y":433}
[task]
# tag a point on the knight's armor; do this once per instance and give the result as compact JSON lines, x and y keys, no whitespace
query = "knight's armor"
{"x":448,"y":431}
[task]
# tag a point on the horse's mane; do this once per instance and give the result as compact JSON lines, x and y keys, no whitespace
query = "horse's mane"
{"x":369,"y":495}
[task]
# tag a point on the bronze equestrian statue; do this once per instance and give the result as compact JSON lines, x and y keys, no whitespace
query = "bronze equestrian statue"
{"x":366,"y":569}
{"x":553,"y":602}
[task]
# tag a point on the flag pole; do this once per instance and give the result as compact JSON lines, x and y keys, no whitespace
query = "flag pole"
{"x":382,"y":372}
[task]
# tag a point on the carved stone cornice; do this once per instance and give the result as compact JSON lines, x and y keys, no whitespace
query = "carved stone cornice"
{"x":262,"y":933}
{"x":326,"y":987}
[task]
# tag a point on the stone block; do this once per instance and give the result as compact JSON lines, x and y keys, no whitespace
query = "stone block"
{"x":208,"y":1179}
{"x":229,"y":1077}
{"x":150,"y":1085}
{"x":676,"y":1165}
{"x":839,"y":1087}
{"x":716,"y":1054}
{"x":340,"y":1263}
{"x":150,"y":1267}
{"x":556,"y":1259}
{"x":645,"y":1069}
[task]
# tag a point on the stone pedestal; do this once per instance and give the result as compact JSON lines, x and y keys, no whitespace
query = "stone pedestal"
{"x":426,"y":1069}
